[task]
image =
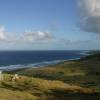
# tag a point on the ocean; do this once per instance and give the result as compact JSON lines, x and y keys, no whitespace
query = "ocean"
{"x":11,"y":60}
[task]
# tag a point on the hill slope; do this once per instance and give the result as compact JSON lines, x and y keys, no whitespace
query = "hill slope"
{"x":72,"y":80}
{"x":28,"y":88}
{"x":83,"y":72}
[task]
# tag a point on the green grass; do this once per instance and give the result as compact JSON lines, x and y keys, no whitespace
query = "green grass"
{"x":72,"y":80}
{"x":7,"y":94}
{"x":79,"y":72}
{"x":28,"y":88}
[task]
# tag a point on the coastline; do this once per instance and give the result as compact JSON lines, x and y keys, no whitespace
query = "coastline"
{"x":37,"y":65}
{"x":41,"y":64}
{"x":79,"y":74}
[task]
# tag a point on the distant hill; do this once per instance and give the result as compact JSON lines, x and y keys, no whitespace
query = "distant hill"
{"x":87,"y":68}
{"x":83,"y":74}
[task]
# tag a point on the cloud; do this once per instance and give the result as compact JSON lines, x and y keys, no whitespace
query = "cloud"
{"x":89,"y":11}
{"x":36,"y":38}
{"x":39,"y":37}
{"x":3,"y":36}
{"x":70,"y":42}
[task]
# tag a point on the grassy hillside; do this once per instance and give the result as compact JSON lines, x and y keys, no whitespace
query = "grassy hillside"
{"x":83,"y":72}
{"x":28,"y":88}
{"x":72,"y":80}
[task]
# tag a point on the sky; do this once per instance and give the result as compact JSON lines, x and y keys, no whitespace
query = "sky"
{"x":49,"y":24}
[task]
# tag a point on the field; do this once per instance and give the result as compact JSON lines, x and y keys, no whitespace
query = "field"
{"x":72,"y":80}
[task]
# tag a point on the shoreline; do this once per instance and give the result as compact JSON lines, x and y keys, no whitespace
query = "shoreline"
{"x":37,"y":65}
{"x":40,"y":64}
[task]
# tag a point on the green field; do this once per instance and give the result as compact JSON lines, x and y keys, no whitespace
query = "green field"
{"x":71,"y":80}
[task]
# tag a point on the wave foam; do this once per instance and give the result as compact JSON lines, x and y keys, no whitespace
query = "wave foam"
{"x":34,"y":65}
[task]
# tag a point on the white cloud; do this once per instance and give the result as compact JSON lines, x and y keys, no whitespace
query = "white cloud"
{"x":37,"y":37}
{"x":70,"y":42}
{"x":3,"y":36}
{"x":89,"y":15}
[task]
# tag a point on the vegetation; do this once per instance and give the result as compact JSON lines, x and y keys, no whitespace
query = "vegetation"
{"x":72,"y":80}
{"x":80,"y":72}
{"x":28,"y":88}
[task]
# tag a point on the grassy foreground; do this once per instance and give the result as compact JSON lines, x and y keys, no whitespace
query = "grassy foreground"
{"x":39,"y":89}
{"x":73,"y":80}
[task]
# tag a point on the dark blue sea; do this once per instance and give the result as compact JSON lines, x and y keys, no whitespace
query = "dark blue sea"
{"x":10,"y":60}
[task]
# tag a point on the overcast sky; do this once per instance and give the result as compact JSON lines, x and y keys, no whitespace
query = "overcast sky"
{"x":49,"y":24}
